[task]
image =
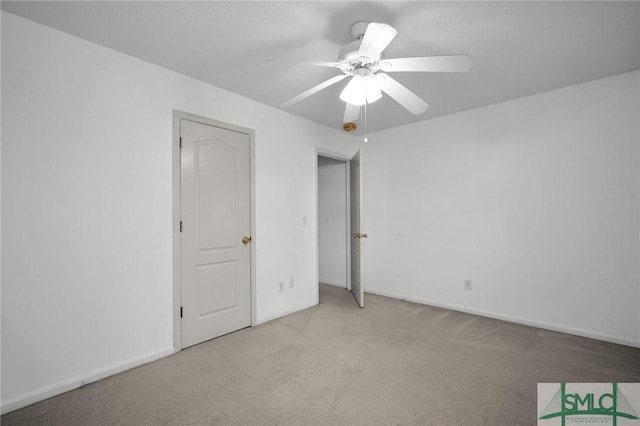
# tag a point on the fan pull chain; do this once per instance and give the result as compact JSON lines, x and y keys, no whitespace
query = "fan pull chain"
{"x":365,"y":122}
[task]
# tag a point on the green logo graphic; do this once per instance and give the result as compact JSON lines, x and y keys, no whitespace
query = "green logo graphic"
{"x":613,"y":404}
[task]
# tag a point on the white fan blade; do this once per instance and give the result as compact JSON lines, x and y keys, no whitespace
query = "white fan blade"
{"x":402,"y":95}
{"x":448,"y":63}
{"x":312,"y":63}
{"x":375,"y":40}
{"x":313,"y":90}
{"x":351,"y":113}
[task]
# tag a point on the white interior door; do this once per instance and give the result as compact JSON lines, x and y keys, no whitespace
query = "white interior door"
{"x":356,"y":232}
{"x":215,"y":217}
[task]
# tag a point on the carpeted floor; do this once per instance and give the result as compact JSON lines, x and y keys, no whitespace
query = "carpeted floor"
{"x":393,"y":362}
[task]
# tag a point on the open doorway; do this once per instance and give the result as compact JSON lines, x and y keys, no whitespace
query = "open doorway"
{"x":333,"y":222}
{"x":339,"y":201}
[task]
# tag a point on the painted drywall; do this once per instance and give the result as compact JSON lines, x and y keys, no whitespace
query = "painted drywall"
{"x":536,"y":201}
{"x":87,"y":207}
{"x":332,"y":221}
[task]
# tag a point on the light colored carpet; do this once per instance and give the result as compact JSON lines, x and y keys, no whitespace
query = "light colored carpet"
{"x":393,"y":362}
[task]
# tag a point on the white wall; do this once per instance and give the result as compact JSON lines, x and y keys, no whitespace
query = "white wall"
{"x":87,"y":207}
{"x":535,"y":200}
{"x":332,"y":221}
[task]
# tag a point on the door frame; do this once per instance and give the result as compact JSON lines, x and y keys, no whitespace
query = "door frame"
{"x":346,"y":159}
{"x":177,"y":272}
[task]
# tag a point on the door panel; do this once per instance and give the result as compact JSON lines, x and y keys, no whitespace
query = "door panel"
{"x":215,"y":287}
{"x":215,"y":212}
{"x":215,"y":170}
{"x":356,"y":218}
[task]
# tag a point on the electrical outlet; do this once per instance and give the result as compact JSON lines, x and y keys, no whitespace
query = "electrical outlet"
{"x":467,"y":285}
{"x":281,"y":286}
{"x":291,"y":283}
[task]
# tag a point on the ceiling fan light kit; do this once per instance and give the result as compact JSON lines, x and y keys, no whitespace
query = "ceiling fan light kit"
{"x":362,"y":61}
{"x":362,"y":89}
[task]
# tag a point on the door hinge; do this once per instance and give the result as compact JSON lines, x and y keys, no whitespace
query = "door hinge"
{"x":180,"y":142}
{"x":180,"y":226}
{"x":180,"y":311}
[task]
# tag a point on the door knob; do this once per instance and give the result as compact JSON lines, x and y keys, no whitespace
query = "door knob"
{"x":364,"y":235}
{"x":357,"y":235}
{"x":246,"y":240}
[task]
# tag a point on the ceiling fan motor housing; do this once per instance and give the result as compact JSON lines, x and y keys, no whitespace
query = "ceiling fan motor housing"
{"x":349,"y":52}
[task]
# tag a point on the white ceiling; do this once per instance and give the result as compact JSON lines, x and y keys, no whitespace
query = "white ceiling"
{"x":518,"y":48}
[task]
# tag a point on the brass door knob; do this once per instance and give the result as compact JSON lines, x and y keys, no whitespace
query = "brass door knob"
{"x":246,"y":240}
{"x":364,"y":235}
{"x":357,"y":235}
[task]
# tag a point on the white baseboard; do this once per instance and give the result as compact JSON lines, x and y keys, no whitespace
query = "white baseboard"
{"x":509,"y":318}
{"x":74,"y":383}
{"x":285,"y":313}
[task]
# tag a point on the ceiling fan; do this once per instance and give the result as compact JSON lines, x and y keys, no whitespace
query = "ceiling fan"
{"x":363,"y":62}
